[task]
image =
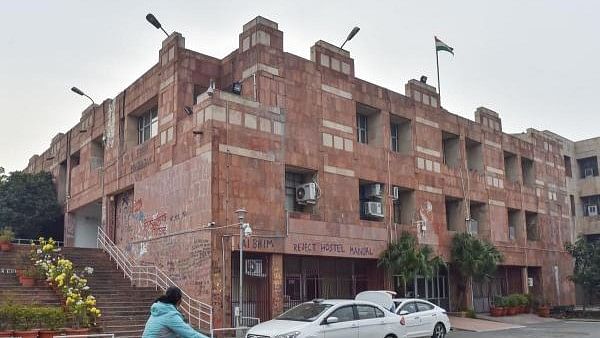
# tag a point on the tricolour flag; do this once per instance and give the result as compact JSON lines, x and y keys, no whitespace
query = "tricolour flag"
{"x":440,"y":45}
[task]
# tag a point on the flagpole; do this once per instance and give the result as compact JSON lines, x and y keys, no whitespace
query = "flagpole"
{"x":437,"y":63}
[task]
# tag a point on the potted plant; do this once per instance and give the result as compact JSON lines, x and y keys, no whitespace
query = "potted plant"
{"x":7,"y":320}
{"x":497,"y":309}
{"x":6,"y":236}
{"x":53,"y":319}
{"x":25,"y":321}
{"x":544,"y":308}
{"x":28,"y":277}
{"x":512,"y":304}
{"x":523,"y":303}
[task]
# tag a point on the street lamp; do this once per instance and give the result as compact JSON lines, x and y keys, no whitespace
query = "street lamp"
{"x":154,"y":22}
{"x":245,"y":231}
{"x":351,"y":35}
{"x":80,"y":92}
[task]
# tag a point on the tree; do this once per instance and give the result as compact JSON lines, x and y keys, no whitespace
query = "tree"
{"x":474,"y":259}
{"x":28,"y":203}
{"x":407,"y":259}
{"x":586,"y":272}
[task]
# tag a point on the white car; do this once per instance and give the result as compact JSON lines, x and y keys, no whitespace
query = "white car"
{"x":332,"y":319}
{"x":421,"y":318}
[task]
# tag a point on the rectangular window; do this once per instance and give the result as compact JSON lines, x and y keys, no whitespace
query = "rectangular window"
{"x":511,"y":166}
{"x":568,"y":170}
{"x":451,"y":150}
{"x":588,"y":166}
{"x":148,"y":125}
{"x":513,"y":222}
{"x":395,"y":145}
{"x":474,"y":155}
{"x":362,"y":128}
{"x":454,"y":214}
{"x":591,"y":205}
{"x":528,"y":172}
{"x":371,"y":197}
{"x":404,"y":205}
{"x":572,"y":200}
{"x":531,"y":224}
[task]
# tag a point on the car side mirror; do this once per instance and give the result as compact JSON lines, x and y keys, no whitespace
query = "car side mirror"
{"x":403,"y":312}
{"x":331,"y":320}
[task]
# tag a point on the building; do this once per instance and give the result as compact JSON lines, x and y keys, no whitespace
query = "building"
{"x":196,"y":138}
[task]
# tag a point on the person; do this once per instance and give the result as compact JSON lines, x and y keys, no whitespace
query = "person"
{"x":166,"y":321}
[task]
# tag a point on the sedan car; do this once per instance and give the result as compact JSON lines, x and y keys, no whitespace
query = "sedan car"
{"x":421,"y":318}
{"x":332,"y":319}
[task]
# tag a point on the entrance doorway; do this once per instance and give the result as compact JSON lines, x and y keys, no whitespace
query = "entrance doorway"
{"x":434,"y":289}
{"x":87,"y":219}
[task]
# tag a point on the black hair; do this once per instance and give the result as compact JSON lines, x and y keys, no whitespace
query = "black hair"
{"x":171,"y":296}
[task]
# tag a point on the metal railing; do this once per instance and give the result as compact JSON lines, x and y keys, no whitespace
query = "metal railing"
{"x":98,"y":335}
{"x":199,"y":314}
{"x":24,"y":241}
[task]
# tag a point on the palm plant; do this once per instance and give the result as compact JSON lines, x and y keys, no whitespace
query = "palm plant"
{"x":474,"y":259}
{"x":406,"y":258}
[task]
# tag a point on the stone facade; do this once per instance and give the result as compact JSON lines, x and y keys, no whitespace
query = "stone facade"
{"x":215,"y":151}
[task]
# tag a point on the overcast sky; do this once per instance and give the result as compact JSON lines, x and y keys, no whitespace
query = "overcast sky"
{"x":534,"y":62}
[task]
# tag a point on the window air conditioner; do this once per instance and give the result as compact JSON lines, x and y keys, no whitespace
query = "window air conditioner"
{"x":588,"y":172}
{"x":374,"y":190}
{"x":372,"y":209}
{"x":592,"y":210}
{"x":396,"y":193}
{"x":472,"y":226}
{"x":306,"y":193}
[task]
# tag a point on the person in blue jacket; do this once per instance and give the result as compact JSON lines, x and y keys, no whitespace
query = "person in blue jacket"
{"x":166,"y":321}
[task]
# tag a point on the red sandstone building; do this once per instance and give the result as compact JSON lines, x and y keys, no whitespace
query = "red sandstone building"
{"x":169,"y":155}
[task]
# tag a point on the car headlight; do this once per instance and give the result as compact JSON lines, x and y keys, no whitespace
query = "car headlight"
{"x":294,"y":334}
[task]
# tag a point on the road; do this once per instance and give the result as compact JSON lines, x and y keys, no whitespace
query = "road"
{"x":562,"y":329}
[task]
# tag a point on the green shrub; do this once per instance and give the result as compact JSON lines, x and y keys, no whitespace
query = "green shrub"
{"x":7,"y":234}
{"x":470,"y":313}
{"x":25,"y":317}
{"x":512,"y":300}
{"x":499,"y":301}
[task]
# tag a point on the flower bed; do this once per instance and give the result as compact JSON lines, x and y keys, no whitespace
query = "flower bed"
{"x":71,"y":285}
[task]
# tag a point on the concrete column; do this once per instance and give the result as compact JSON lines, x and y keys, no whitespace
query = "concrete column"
{"x":524,"y":278}
{"x":276,"y":284}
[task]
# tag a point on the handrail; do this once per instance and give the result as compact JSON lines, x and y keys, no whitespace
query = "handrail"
{"x":199,"y":314}
{"x":22,"y":241}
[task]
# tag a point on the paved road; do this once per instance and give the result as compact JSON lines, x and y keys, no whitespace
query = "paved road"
{"x":562,"y":329}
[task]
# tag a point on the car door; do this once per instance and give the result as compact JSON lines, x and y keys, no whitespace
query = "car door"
{"x":346,"y":327}
{"x":371,"y":321}
{"x":412,"y":321}
{"x":428,"y":317}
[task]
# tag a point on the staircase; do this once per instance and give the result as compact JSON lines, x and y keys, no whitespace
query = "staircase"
{"x":12,"y":291}
{"x":125,"y":308}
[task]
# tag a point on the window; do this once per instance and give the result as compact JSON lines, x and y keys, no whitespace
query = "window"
{"x":478,"y":217}
{"x":450,"y":149}
{"x":75,"y":158}
{"x":404,"y":206}
{"x":368,"y":125}
{"x":409,"y":307}
{"x":294,"y":178}
{"x":590,"y":205}
{"x":343,"y":314}
{"x":572,"y":201}
{"x":400,"y":135}
{"x":454,"y":214}
{"x":513,"y":221}
{"x":588,"y":166}
{"x":424,"y":306}
{"x":394,"y":131}
{"x":148,"y":125}
{"x":362,"y":126}
{"x":371,"y":206}
{"x":568,"y":170}
{"x":305,"y":312}
{"x":528,"y":172}
{"x":474,"y":155}
{"x":368,"y":312}
{"x":511,"y":166}
{"x":97,"y":153}
{"x":531,"y":223}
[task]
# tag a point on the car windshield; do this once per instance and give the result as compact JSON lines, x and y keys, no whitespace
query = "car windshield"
{"x":306,"y":312}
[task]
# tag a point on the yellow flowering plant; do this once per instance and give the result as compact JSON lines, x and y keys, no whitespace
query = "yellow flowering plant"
{"x":60,"y":273}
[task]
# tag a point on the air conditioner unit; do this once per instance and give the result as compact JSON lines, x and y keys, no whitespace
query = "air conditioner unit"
{"x":373,"y":191}
{"x":588,"y":172}
{"x":396,"y":193}
{"x":472,"y":226}
{"x":511,"y":233}
{"x":372,"y":209}
{"x":306,"y":193}
{"x":592,"y":210}
{"x":254,"y":268}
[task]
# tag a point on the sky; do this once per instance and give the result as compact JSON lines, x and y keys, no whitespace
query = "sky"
{"x":533,"y":62}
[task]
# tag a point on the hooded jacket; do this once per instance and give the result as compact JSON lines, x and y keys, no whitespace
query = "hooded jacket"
{"x":166,"y":322}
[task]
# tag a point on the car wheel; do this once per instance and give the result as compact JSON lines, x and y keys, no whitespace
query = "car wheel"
{"x":439,"y":331}
{"x":390,"y":336}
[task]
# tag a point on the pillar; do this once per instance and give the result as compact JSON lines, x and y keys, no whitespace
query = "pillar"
{"x":276,"y":284}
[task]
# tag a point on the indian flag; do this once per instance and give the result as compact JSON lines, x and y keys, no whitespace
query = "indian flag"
{"x":440,"y":45}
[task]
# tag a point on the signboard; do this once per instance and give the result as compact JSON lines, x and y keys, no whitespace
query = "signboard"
{"x":530,"y":281}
